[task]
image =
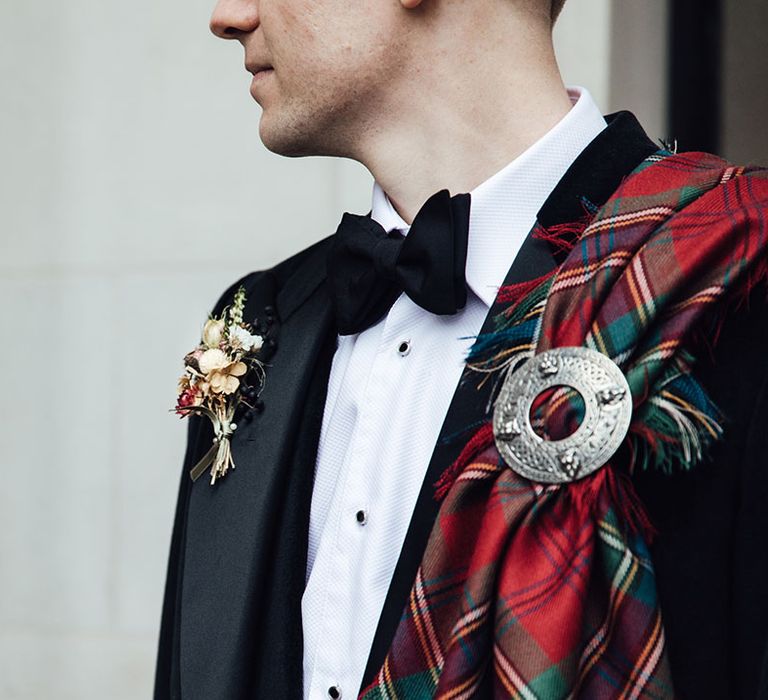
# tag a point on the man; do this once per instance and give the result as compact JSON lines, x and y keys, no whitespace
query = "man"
{"x":289,"y":577}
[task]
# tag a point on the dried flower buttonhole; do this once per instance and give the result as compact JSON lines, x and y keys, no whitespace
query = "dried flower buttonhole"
{"x":213,"y":383}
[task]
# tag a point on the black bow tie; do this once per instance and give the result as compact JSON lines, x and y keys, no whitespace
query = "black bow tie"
{"x":368,"y":269}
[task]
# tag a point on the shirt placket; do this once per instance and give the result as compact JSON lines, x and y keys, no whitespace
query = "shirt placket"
{"x":356,"y":516}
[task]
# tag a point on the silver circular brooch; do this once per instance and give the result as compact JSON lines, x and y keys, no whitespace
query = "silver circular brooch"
{"x":608,"y":411}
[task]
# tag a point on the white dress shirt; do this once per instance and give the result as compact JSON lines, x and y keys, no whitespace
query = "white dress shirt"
{"x":389,"y":391}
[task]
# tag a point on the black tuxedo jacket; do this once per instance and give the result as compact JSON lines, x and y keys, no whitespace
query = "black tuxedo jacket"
{"x":231,"y":623}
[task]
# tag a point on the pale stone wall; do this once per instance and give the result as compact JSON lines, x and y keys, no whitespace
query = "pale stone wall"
{"x":745,"y":82}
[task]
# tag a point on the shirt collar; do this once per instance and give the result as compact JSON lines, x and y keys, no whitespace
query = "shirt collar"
{"x":504,"y":207}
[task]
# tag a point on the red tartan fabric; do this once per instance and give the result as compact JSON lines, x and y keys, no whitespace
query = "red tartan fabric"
{"x":527,"y":591}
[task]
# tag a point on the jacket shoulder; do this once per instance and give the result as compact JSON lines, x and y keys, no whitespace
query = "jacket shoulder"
{"x":267,"y":283}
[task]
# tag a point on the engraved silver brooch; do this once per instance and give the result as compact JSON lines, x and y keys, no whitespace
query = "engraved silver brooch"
{"x":608,"y":411}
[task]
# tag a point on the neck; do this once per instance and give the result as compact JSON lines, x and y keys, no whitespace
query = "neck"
{"x":462,"y":115}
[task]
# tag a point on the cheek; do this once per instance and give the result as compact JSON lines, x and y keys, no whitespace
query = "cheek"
{"x":285,"y":32}
{"x":321,"y":36}
{"x":297,"y":29}
{"x":327,"y":55}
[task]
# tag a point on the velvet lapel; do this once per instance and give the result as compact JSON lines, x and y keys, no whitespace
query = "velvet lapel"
{"x":594,"y":176}
{"x":242,"y":531}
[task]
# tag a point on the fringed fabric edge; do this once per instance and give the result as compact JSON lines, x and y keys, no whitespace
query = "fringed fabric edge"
{"x":676,"y":426}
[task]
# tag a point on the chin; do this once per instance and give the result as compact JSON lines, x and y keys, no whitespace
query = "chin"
{"x":302,"y":133}
{"x":286,"y":137}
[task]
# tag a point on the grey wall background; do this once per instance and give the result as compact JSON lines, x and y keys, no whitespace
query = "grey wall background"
{"x":744,"y":134}
{"x":134,"y":190}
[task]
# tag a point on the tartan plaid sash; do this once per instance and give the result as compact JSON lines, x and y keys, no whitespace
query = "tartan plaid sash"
{"x":532,"y":591}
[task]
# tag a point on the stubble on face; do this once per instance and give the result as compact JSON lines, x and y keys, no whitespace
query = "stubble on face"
{"x":335,"y":67}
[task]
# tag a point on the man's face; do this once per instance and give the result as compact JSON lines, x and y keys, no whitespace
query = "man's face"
{"x":335,"y":65}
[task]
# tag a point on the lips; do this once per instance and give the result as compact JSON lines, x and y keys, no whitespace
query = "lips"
{"x":255,"y":68}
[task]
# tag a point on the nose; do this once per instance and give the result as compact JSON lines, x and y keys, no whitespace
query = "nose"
{"x":233,"y":18}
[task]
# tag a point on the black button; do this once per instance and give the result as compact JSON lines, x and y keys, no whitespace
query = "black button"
{"x":361,"y":517}
{"x":404,"y":348}
{"x":334,"y":692}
